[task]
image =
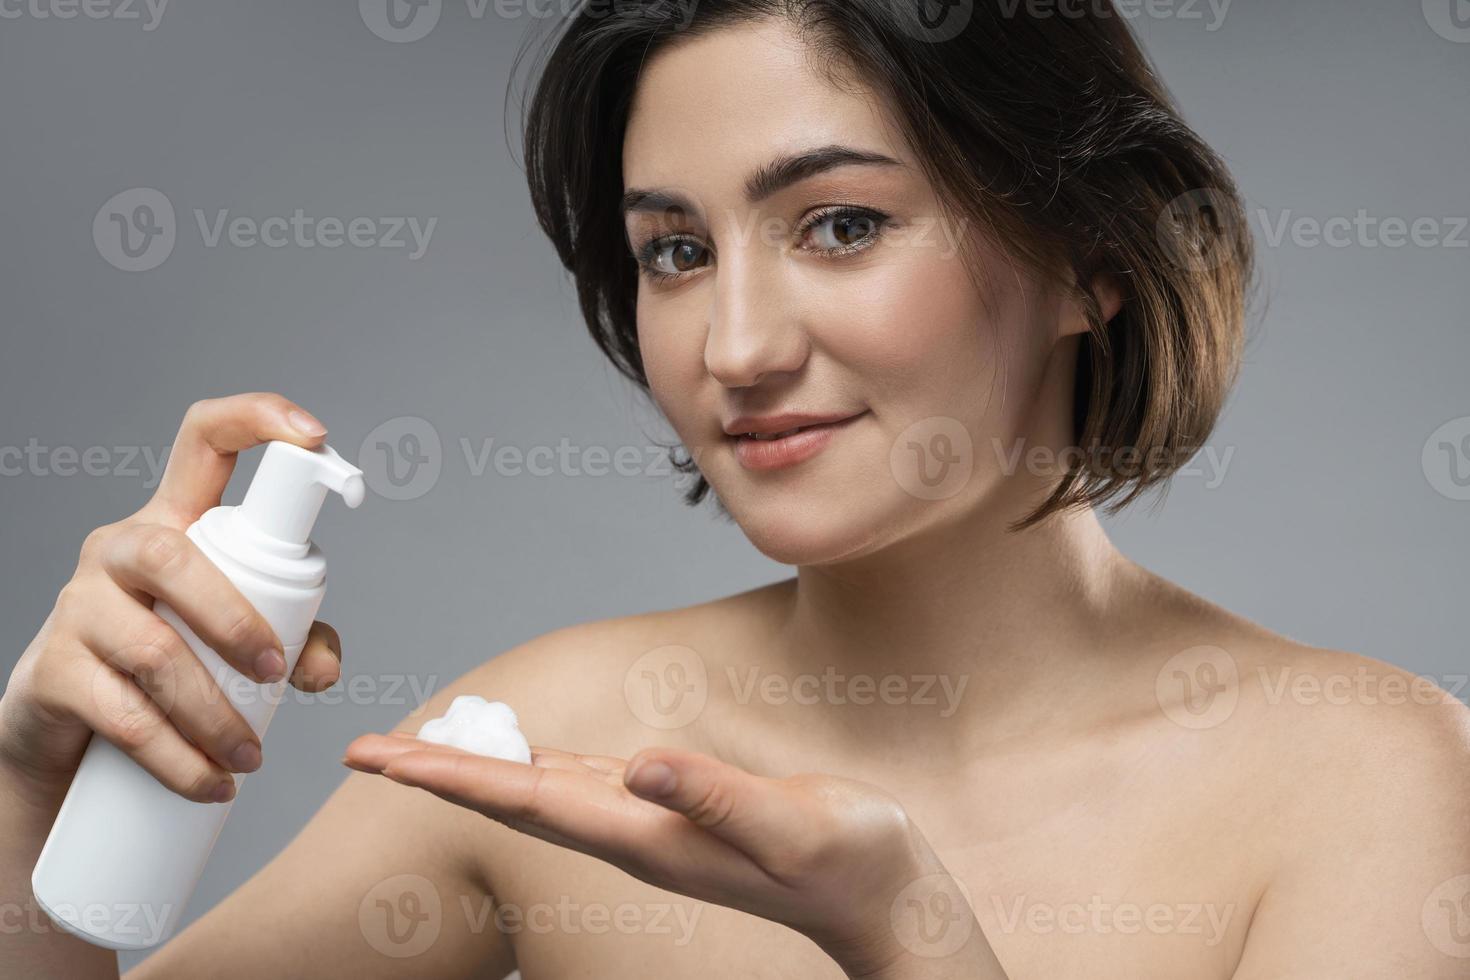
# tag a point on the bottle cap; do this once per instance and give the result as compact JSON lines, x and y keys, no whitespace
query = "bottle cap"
{"x":289,"y":486}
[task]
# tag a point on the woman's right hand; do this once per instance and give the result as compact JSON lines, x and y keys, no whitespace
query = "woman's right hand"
{"x":104,"y":662}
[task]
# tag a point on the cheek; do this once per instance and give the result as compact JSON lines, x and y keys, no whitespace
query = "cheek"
{"x":912,"y":330}
{"x":673,"y":358}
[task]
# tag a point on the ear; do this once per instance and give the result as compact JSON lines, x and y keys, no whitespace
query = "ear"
{"x":1104,"y":287}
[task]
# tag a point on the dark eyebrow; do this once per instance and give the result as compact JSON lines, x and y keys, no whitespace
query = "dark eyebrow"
{"x":766,"y":180}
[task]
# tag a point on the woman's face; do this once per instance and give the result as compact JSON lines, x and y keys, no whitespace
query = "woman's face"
{"x":835,"y":291}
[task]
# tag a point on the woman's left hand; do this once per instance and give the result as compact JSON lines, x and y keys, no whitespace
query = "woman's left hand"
{"x":825,"y":856}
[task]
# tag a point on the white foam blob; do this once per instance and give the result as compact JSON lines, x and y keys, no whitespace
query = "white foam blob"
{"x":479,"y":726}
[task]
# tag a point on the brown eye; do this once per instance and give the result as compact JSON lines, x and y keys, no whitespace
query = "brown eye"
{"x":670,"y":258}
{"x":849,"y":230}
{"x":843,"y":230}
{"x":686,"y":256}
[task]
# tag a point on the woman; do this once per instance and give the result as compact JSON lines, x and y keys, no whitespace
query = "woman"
{"x":977,"y":260}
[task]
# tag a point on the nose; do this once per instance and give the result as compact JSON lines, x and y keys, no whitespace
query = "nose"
{"x":752,"y":334}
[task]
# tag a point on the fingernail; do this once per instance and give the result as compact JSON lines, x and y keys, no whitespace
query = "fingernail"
{"x":307,"y":424}
{"x":245,"y":758}
{"x":270,"y":666}
{"x":224,"y":792}
{"x":652,"y":779}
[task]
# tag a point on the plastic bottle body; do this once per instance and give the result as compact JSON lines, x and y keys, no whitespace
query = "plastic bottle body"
{"x":125,"y":852}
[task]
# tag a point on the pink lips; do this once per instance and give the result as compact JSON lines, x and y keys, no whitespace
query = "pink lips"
{"x":772,"y":454}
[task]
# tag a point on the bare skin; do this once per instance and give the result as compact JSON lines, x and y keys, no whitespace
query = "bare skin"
{"x":1126,"y":780}
{"x":1059,"y":772}
{"x":1066,"y":827}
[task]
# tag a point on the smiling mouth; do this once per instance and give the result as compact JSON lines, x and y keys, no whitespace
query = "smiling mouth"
{"x":779,"y":450}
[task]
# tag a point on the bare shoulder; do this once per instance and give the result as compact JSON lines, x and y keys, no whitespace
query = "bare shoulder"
{"x":1366,"y":768}
{"x":1347,"y":775}
{"x":582,"y":687}
{"x":1359,"y":730}
{"x":1321,"y":713}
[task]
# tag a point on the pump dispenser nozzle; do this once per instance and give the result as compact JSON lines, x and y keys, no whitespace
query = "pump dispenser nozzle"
{"x":289,"y":486}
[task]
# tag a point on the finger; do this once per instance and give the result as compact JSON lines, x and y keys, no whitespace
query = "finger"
{"x":320,"y":663}
{"x":751,"y":812}
{"x":370,"y":748}
{"x":575,"y":810}
{"x":162,"y":562}
{"x":128,"y":638}
{"x":370,"y":752}
{"x":568,"y":763}
{"x":584,"y":812}
{"x":211,"y":435}
{"x":602,"y":763}
{"x":124,"y":715}
{"x":596,"y":763}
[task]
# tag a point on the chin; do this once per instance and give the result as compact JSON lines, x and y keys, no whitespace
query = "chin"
{"x":812,"y":528}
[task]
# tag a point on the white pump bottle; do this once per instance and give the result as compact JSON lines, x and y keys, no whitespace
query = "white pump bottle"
{"x":125,"y":852}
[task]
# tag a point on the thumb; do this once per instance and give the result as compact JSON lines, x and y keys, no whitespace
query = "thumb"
{"x":746,"y":810}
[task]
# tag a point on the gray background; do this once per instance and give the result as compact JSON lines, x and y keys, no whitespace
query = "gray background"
{"x":1327,"y":527}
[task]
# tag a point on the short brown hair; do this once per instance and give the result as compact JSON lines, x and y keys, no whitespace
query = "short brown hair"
{"x":1051,"y":128}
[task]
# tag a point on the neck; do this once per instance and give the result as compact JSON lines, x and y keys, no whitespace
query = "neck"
{"x":956,"y":595}
{"x":1017,"y":622}
{"x":1005,"y":627}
